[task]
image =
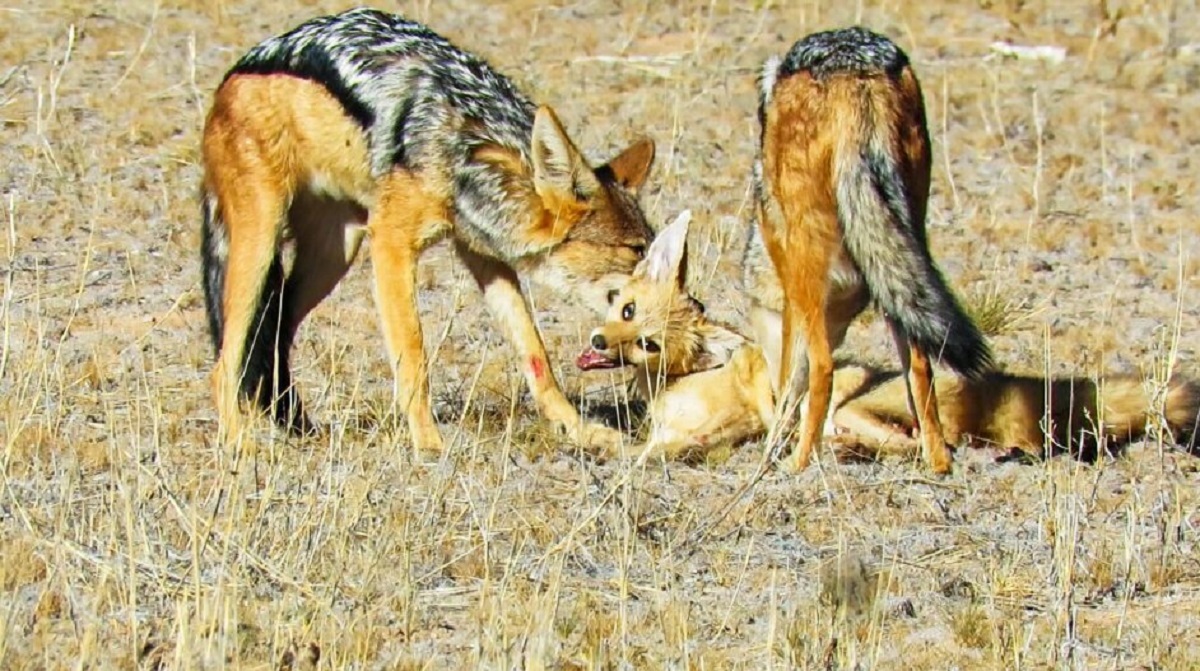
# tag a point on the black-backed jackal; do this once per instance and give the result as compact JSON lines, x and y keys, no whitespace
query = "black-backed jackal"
{"x":842,"y":180}
{"x":367,"y":124}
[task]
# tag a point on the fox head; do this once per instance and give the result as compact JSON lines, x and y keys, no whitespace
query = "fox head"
{"x":603,"y":231}
{"x":652,"y":322}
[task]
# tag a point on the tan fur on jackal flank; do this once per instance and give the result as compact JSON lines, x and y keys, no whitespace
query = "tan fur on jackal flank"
{"x":842,"y":183}
{"x":365,"y":123}
{"x":705,"y":384}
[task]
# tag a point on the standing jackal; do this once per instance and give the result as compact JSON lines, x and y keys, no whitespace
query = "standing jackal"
{"x":842,"y":181}
{"x":365,"y":123}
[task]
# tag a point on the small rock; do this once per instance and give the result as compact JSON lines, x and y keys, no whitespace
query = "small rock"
{"x":901,"y":608}
{"x":958,"y":588}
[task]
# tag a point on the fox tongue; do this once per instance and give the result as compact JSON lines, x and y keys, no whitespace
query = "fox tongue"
{"x":590,"y":359}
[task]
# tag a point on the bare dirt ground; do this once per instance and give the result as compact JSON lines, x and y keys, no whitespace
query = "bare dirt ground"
{"x":1064,"y":198}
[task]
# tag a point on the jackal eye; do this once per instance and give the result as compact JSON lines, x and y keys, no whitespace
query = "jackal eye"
{"x":639,"y":251}
{"x":612,"y":295}
{"x":628,"y":311}
{"x":649,"y":346}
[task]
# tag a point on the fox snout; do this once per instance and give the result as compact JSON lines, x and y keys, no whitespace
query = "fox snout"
{"x":598,"y":356}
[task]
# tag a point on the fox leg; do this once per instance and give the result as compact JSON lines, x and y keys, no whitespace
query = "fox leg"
{"x":766,"y":325}
{"x":651,"y":450}
{"x":922,"y":401}
{"x":665,"y":443}
{"x":403,"y":222}
{"x":871,"y":432}
{"x":754,"y":378}
{"x":502,"y":294}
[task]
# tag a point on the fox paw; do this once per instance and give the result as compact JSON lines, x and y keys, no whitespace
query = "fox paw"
{"x":849,"y":447}
{"x":598,"y":439}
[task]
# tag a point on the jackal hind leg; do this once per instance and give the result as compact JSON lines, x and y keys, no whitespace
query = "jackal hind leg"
{"x":814,"y":407}
{"x":252,"y":202}
{"x":922,"y":400}
{"x":327,"y":235}
{"x":804,"y":275}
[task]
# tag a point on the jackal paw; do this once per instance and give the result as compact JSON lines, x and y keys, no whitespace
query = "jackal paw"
{"x":941,"y":463}
{"x":797,"y":461}
{"x":428,"y":441}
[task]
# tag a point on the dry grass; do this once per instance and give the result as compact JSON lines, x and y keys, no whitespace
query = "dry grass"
{"x":127,"y":539}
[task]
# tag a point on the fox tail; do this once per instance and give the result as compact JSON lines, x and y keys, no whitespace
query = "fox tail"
{"x":1129,"y":408}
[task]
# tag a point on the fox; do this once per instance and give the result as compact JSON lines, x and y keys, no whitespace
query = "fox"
{"x":1029,"y":416}
{"x":705,"y":384}
{"x":367,"y":125}
{"x":841,"y":182}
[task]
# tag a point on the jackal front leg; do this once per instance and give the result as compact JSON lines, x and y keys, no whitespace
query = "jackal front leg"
{"x":502,"y":293}
{"x":400,"y":226}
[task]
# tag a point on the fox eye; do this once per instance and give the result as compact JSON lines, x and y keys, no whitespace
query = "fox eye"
{"x":650,"y":346}
{"x":639,"y":250}
{"x":612,"y":295}
{"x":628,"y":311}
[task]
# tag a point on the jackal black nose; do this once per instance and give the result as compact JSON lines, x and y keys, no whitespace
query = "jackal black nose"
{"x":598,"y":342}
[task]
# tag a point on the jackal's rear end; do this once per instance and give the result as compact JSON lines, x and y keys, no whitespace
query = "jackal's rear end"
{"x":843,"y":180}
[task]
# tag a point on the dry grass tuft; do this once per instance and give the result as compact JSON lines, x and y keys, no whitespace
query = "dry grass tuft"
{"x":997,"y":312}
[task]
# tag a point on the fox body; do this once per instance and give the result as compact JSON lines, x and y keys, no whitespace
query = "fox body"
{"x":365,"y":124}
{"x":1018,"y":412}
{"x":705,"y":384}
{"x":841,"y":184}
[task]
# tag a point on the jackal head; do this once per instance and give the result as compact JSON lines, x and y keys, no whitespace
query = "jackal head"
{"x":652,"y":322}
{"x":606,"y":233}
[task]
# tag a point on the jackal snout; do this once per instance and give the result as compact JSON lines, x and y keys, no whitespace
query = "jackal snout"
{"x":610,"y":237}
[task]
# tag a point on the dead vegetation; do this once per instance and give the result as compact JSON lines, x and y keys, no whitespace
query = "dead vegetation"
{"x":1064,"y":196}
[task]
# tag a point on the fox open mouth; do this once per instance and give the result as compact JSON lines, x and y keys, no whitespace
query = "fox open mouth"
{"x":593,"y":359}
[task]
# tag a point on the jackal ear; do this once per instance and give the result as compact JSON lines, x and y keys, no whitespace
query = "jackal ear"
{"x":666,"y":260}
{"x":631,"y":167}
{"x":559,"y":169}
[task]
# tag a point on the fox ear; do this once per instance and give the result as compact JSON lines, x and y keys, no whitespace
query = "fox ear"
{"x":559,"y":170}
{"x":666,"y":260}
{"x":631,"y":167}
